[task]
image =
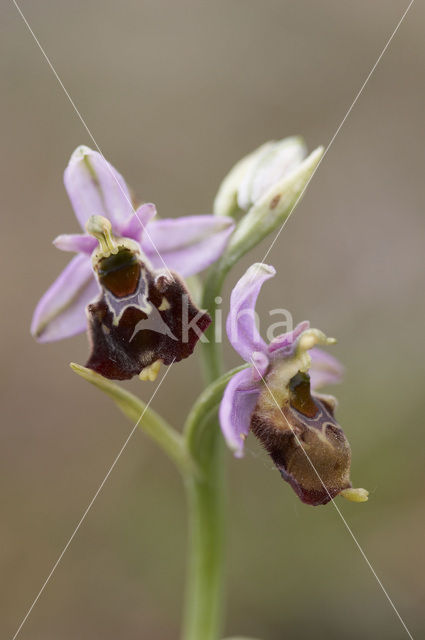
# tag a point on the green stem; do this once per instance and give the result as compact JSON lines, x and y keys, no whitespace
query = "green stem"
{"x":204,"y":591}
{"x":205,"y":494}
{"x":207,"y":401}
{"x":167,"y":438}
{"x":211,"y":352}
{"x":206,"y":491}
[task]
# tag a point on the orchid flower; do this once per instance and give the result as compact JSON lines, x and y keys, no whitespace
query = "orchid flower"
{"x":186,"y":245}
{"x":276,"y":398}
{"x":143,"y":317}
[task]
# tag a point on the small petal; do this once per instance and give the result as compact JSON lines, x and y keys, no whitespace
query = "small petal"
{"x":241,"y":326}
{"x":237,"y":406}
{"x":282,"y":346}
{"x":61,"y":311}
{"x":325,"y":369}
{"x":187,"y":245}
{"x":96,"y":188}
{"x":135,"y":226}
{"x":77,"y":242}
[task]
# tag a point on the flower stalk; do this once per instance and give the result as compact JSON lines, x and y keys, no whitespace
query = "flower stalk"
{"x":206,"y":505}
{"x":211,"y":352}
{"x":205,"y":498}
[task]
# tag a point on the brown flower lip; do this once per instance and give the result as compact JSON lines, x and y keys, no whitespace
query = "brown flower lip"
{"x":305,"y":442}
{"x":142,"y":318}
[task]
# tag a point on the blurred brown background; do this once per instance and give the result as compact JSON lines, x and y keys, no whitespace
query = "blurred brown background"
{"x":175,"y":93}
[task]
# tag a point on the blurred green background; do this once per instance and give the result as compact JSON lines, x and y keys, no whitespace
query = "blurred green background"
{"x":175,"y":93}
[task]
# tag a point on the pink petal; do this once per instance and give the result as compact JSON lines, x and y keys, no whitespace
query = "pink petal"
{"x":61,"y":311}
{"x":187,"y":245}
{"x":77,"y":242}
{"x":282,"y":346}
{"x":135,"y":225}
{"x":241,"y":326}
{"x":96,"y":188}
{"x":237,"y":405}
{"x":325,"y":369}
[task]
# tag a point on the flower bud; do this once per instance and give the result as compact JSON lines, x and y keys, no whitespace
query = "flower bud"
{"x":226,"y":202}
{"x":256,"y":173}
{"x":275,"y":162}
{"x":265,"y":186}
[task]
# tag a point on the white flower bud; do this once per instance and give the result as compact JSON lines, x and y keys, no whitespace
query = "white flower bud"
{"x":273,"y":182}
{"x":256,"y":173}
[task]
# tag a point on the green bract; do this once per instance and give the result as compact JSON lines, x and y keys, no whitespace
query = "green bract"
{"x":272,"y":208}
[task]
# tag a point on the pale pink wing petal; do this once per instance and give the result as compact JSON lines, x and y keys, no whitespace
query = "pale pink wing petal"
{"x":77,"y":242}
{"x":187,"y":245}
{"x":325,"y":369}
{"x":61,"y":311}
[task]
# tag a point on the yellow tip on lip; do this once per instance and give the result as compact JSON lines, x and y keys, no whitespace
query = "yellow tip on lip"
{"x":150,"y":373}
{"x":355,"y":495}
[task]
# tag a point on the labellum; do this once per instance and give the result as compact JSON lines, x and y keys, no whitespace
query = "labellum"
{"x":143,"y":317}
{"x":304,"y":440}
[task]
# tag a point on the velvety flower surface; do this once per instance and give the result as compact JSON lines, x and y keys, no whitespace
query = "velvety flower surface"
{"x":276,"y":398}
{"x":186,"y":245}
{"x":143,"y":317}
